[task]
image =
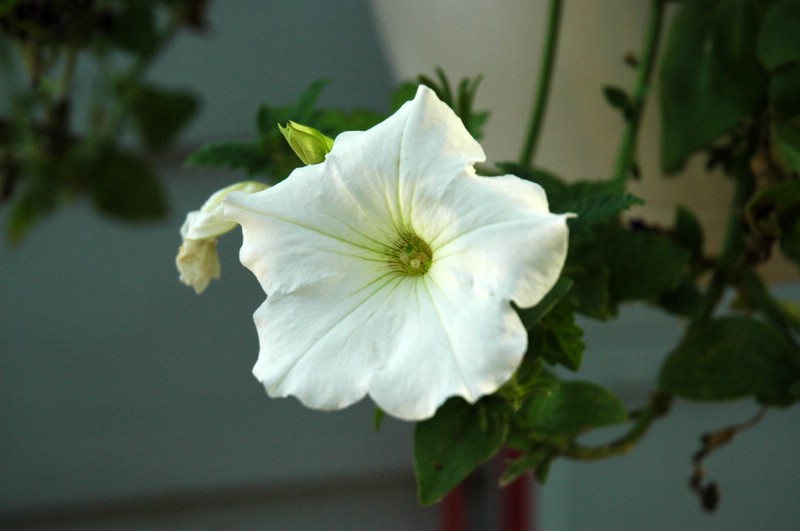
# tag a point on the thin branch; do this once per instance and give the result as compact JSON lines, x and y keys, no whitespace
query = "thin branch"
{"x":627,"y":148}
{"x":543,"y":87}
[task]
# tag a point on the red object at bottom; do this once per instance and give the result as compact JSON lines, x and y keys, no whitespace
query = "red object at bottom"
{"x":454,"y":509}
{"x":515,"y":506}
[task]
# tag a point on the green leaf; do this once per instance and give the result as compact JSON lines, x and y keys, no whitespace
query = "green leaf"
{"x":403,"y":93}
{"x":684,"y":299}
{"x":710,"y":77}
{"x":332,"y":122}
{"x":642,"y":264}
{"x":619,"y":99}
{"x":786,"y":138}
{"x":134,"y":29}
{"x":159,"y":115}
{"x":688,"y":232}
{"x":554,"y":186}
{"x":127,"y":187}
{"x":530,"y":378}
{"x":537,"y":459}
{"x":779,"y":40}
{"x":460,"y":101}
{"x":784,"y":91}
{"x":775,"y":213}
{"x":302,"y":110}
{"x":728,"y":358}
{"x":531,"y":316}
{"x":557,"y":338}
{"x":239,"y":155}
{"x":790,"y":241}
{"x":30,"y":206}
{"x":594,"y":202}
{"x":791,"y":312}
{"x":576,"y":406}
{"x":454,"y":442}
{"x":587,"y":268}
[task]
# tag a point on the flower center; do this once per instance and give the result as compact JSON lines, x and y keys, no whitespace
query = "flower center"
{"x":409,"y":254}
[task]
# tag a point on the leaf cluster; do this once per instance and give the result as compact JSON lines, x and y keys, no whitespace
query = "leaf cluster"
{"x":269,"y":155}
{"x":729,"y":87}
{"x":729,"y":80}
{"x":460,"y":99}
{"x":45,"y":158}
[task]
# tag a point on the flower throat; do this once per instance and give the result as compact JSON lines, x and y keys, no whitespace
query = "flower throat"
{"x":409,"y":254}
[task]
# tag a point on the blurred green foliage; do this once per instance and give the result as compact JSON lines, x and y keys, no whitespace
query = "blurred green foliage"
{"x":48,"y":155}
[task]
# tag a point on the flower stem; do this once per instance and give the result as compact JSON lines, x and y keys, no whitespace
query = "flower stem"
{"x":733,"y":246}
{"x":625,"y":155}
{"x":657,"y":407}
{"x":543,"y":87}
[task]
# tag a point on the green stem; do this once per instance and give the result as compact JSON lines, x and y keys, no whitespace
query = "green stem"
{"x":658,"y":406}
{"x":69,"y":72}
{"x":543,"y":87}
{"x":753,"y":286}
{"x":734,"y":243}
{"x":131,"y":82}
{"x":625,"y":155}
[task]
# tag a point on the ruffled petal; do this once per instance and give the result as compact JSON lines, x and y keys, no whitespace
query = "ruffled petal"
{"x":198,"y":263}
{"x":502,"y":228}
{"x":341,"y":322}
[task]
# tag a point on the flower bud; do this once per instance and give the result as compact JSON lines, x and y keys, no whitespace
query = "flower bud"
{"x":310,"y":145}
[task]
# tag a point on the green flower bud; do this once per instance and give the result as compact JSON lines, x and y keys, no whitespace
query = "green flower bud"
{"x":308,"y":143}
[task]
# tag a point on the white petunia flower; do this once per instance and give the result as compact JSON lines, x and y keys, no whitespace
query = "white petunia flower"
{"x":197,"y":260}
{"x":390,"y":267}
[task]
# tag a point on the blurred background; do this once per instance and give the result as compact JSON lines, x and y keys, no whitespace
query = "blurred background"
{"x":127,"y":402}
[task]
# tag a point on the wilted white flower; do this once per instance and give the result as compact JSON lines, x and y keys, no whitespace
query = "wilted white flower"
{"x":390,"y":267}
{"x":197,"y":260}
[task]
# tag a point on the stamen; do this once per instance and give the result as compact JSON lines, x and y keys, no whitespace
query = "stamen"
{"x":409,"y":254}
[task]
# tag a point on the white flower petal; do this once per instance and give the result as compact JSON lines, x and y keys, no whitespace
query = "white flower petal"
{"x":450,"y":343}
{"x":201,"y":225}
{"x":197,"y":260}
{"x":502,"y":227}
{"x":343,"y":320}
{"x":198,"y":263}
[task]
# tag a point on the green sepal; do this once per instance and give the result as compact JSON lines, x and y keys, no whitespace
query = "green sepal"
{"x":536,"y":459}
{"x":310,"y":145}
{"x":557,"y":338}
